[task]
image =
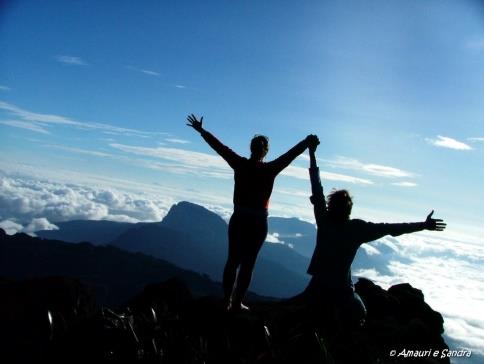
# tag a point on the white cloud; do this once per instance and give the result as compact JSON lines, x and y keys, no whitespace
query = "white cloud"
{"x":476,"y":139}
{"x":293,"y":192}
{"x":369,"y":168}
{"x":4,"y":88}
{"x":25,"y":125}
{"x":370,"y":249}
{"x":39,"y":224}
{"x":177,"y":141}
{"x":446,"y":142}
{"x":449,"y":274}
{"x":149,"y":72}
{"x":36,"y":117}
{"x":274,"y":239}
{"x":80,"y":151}
{"x":71,"y":60}
{"x":212,"y":165}
{"x":46,"y":120}
{"x":10,"y":227}
{"x":145,"y":163}
{"x":304,"y":157}
{"x":405,"y":184}
{"x":180,"y":86}
{"x":31,"y":191}
{"x":302,"y":173}
{"x":25,"y":199}
{"x":143,"y":70}
{"x":448,"y":284}
{"x":186,"y":161}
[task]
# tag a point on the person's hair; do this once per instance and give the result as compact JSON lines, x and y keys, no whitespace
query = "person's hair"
{"x":339,"y":205}
{"x":259,"y":146}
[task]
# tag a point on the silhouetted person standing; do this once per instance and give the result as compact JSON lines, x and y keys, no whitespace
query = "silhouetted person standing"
{"x":338,"y":239}
{"x":254,"y":180}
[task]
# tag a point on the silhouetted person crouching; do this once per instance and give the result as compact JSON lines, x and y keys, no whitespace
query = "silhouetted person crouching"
{"x":338,"y":239}
{"x":254,"y":180}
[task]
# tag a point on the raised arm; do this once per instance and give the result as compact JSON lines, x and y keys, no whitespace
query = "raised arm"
{"x":284,"y":160}
{"x":317,"y":198}
{"x":370,"y":231}
{"x":225,"y":152}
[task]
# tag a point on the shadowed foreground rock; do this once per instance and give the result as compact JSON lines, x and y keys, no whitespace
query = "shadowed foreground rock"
{"x":54,"y":320}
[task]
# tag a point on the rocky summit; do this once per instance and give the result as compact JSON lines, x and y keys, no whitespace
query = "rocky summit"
{"x":56,"y":320}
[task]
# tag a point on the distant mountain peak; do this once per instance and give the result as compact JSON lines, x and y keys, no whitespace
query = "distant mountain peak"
{"x":184,"y":206}
{"x":188,"y":216}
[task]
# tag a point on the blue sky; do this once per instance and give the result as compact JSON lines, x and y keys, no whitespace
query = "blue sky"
{"x":393,"y":89}
{"x":94,"y":96}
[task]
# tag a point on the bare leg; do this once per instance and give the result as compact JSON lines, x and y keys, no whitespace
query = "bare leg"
{"x":246,"y":237}
{"x":243,"y":281}
{"x":233,"y":259}
{"x":230,"y":272}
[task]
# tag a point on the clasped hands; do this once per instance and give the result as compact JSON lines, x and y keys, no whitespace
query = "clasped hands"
{"x":312,"y":141}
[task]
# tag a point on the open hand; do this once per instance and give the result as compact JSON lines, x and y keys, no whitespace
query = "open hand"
{"x":194,"y":122}
{"x":434,"y":224}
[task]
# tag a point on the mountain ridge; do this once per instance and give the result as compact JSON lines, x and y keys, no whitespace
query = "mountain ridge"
{"x":200,"y":238}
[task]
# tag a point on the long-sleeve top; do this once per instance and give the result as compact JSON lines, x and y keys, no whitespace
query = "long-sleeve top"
{"x":337,"y":242}
{"x":254,"y":180}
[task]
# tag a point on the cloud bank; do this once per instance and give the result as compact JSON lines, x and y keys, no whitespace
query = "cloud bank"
{"x":11,"y":227}
{"x":34,"y":203}
{"x":448,"y":273}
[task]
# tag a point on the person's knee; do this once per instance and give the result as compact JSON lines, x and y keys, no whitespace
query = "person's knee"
{"x":233,"y":260}
{"x":247,"y":266}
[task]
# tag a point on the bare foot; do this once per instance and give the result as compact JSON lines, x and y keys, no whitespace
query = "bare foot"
{"x":234,"y":307}
{"x":244,"y":307}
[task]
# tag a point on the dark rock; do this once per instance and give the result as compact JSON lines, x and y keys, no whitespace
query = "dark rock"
{"x":413,"y":306}
{"x":166,"y":324}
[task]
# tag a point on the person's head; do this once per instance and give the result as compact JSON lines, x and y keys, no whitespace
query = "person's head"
{"x":259,"y":146}
{"x":339,"y":205}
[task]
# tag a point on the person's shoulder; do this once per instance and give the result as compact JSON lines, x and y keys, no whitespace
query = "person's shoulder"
{"x":244,"y":162}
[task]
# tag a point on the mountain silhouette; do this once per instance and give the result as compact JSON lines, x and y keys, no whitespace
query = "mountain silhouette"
{"x":193,"y":237}
{"x":97,"y":232}
{"x":182,"y":320}
{"x":114,"y":274}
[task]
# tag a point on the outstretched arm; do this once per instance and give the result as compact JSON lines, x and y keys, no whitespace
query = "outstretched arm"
{"x":317,"y":198}
{"x":225,"y":152}
{"x":284,"y":160}
{"x":371,"y":231}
